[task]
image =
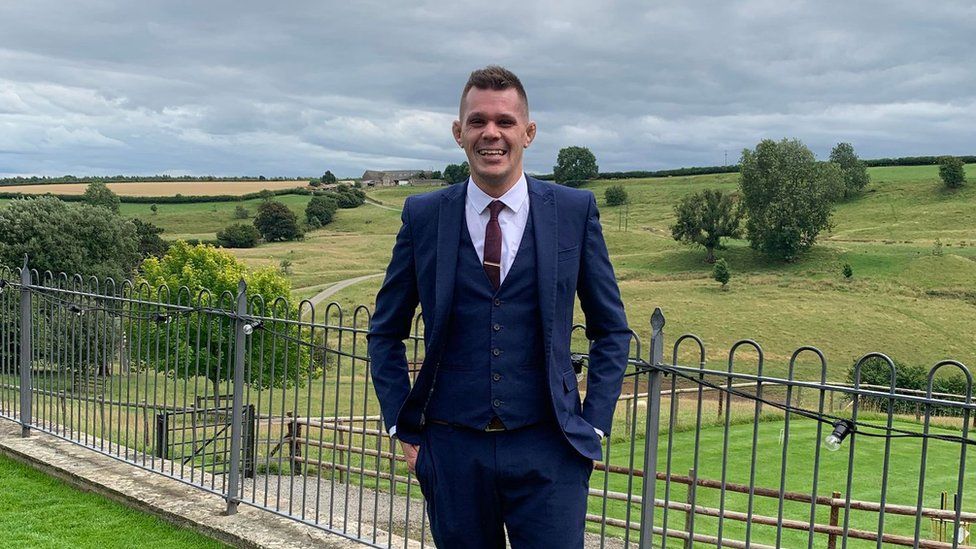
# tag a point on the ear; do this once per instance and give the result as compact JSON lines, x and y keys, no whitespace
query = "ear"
{"x":456,"y":128}
{"x":529,"y":134}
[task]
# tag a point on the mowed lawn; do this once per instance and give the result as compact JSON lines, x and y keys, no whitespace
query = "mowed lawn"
{"x":39,"y":511}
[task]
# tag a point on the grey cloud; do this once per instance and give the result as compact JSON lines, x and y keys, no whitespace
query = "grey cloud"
{"x":293,"y":89}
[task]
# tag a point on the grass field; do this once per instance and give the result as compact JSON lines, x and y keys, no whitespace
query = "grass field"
{"x":162,"y":188}
{"x":61,"y":516}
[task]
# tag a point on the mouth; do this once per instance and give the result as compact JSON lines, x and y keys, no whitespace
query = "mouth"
{"x":492,"y":153}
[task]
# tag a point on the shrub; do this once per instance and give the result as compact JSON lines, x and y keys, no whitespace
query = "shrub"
{"x":848,"y":271}
{"x":952,"y":172}
{"x":240,"y":212}
{"x":720,"y":272}
{"x":320,"y":210}
{"x":238,"y":235}
{"x":276,"y":222}
{"x":615,"y":195}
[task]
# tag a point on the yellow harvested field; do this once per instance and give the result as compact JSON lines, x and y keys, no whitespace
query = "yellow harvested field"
{"x":169,"y":188}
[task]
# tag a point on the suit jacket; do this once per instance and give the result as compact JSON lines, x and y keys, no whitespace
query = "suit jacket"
{"x":572,"y":260}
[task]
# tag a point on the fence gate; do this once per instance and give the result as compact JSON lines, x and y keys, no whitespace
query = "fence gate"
{"x":202,"y":438}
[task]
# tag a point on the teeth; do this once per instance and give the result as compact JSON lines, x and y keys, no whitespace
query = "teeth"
{"x":491,"y":152}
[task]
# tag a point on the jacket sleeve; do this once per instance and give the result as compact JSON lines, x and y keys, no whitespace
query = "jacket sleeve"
{"x":396,"y":303}
{"x":606,"y":325}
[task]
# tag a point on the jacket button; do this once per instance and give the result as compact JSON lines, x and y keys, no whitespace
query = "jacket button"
{"x":496,"y":403}
{"x":496,"y":352}
{"x":496,"y":376}
{"x":498,"y":302}
{"x":496,"y":326}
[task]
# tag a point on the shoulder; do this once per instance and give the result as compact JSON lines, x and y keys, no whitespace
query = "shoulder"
{"x":567,"y":198}
{"x":424,"y":202}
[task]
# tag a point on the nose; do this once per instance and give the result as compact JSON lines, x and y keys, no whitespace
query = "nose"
{"x":491,"y":131}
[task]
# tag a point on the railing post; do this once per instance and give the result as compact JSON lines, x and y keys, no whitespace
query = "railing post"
{"x":833,"y":520}
{"x":651,"y":430}
{"x":26,"y":391}
{"x":237,"y":420}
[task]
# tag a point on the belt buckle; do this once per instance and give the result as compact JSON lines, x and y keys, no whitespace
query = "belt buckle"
{"x":495,"y":425}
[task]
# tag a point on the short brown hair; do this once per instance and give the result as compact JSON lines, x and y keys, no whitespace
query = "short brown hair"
{"x":494,"y":77}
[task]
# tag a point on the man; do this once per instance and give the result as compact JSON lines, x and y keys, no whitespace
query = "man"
{"x":493,"y":425}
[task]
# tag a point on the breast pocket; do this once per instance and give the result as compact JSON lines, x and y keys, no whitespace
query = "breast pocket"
{"x":568,"y":254}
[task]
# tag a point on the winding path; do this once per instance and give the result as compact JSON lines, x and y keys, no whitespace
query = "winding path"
{"x":339,"y":286}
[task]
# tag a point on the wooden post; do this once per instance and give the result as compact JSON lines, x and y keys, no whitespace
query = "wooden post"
{"x":721,"y":403}
{"x":834,"y":518}
{"x":691,"y":508}
{"x":627,"y":417}
{"x":341,"y":451}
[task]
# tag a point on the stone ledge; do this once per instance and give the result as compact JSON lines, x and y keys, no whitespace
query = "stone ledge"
{"x":174,"y":501}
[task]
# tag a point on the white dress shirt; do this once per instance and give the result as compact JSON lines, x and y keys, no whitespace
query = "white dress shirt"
{"x":512,"y":220}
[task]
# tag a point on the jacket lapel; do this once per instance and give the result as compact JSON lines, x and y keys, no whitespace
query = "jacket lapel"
{"x":449,"y":219}
{"x":543,"y":211}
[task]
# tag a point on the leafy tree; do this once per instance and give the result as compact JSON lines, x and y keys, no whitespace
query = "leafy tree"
{"x":150,"y":243}
{"x":315,"y":182}
{"x":210,"y":277}
{"x":238,"y":235}
{"x":575,"y":164}
{"x":848,"y":271}
{"x":276,"y":222}
{"x":720,"y":272}
{"x":952,"y":172}
{"x":348,"y":197}
{"x":705,"y":218}
{"x":855,"y":171}
{"x":328,"y":178}
{"x":787,"y":195}
{"x":457,"y":173}
{"x":70,"y":237}
{"x":322,"y":209}
{"x":241,"y":212}
{"x":436,"y":174}
{"x":154,"y":209}
{"x":98,"y":194}
{"x":615,"y":195}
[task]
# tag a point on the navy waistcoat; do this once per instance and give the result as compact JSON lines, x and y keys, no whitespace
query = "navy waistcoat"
{"x":494,"y":361}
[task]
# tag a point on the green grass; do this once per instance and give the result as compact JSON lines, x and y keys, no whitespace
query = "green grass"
{"x":39,"y":511}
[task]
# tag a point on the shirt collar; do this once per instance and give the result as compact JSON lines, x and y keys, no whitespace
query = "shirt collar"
{"x":513,"y":199}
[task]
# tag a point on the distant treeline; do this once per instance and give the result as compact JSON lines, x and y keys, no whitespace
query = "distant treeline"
{"x":35,"y":180}
{"x":705,"y":170}
{"x":174,"y":199}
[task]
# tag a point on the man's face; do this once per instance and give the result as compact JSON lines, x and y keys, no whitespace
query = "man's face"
{"x":494,"y":129}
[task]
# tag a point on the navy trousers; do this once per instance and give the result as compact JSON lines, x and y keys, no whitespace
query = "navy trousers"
{"x":529,"y":481}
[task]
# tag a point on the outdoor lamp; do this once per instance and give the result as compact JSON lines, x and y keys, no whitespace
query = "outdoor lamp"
{"x":76,"y":309}
{"x":162,"y":318}
{"x":3,"y":284}
{"x":251,"y":326}
{"x":842,"y":428}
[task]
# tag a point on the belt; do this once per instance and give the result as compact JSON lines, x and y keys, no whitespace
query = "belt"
{"x":494,"y":426}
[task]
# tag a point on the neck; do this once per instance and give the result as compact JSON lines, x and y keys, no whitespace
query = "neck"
{"x":493,"y":189}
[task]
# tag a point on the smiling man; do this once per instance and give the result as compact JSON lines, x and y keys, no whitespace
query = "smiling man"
{"x":493,"y":425}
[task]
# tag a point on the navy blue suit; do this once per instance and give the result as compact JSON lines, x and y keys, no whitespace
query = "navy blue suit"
{"x":501,"y":353}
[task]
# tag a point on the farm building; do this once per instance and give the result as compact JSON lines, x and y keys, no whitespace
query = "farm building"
{"x":376,"y":178}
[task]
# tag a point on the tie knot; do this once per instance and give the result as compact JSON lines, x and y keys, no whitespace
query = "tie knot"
{"x":495,"y":207}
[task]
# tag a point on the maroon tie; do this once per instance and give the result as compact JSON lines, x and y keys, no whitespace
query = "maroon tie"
{"x":493,"y":245}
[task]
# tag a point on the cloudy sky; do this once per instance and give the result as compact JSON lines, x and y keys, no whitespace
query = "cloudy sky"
{"x":295,"y":88}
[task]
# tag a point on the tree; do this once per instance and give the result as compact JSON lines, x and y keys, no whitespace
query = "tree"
{"x":68,"y":237}
{"x":436,"y":174}
{"x":98,"y":194}
{"x":705,"y":218}
{"x":575,"y":164}
{"x":207,"y":274}
{"x":266,"y":194}
{"x":348,"y":197}
{"x":240,"y":212}
{"x":154,"y":209}
{"x":788,"y":196}
{"x":276,"y":222}
{"x":720,"y":272}
{"x":328,"y":178}
{"x":321,"y":209}
{"x":150,"y":243}
{"x":615,"y":195}
{"x":238,"y":235}
{"x":457,"y":173}
{"x":848,"y":271}
{"x":952,"y":172}
{"x":855,"y":171}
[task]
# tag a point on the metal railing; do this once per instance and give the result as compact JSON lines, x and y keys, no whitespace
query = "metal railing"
{"x":247,"y":400}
